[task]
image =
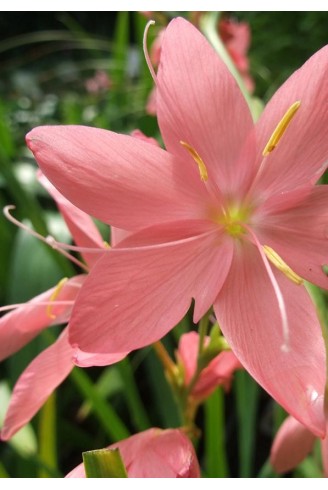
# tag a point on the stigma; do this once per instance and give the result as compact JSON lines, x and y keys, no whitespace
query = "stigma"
{"x":281,"y":128}
{"x":195,"y":155}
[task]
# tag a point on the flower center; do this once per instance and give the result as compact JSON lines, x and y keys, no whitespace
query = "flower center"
{"x":232,"y":218}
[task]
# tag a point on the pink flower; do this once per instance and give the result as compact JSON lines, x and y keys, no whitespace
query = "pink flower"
{"x":100,"y":82}
{"x":206,"y":216}
{"x":293,"y":442}
{"x":236,"y":37}
{"x":53,"y":307}
{"x":218,"y":372}
{"x":155,"y":453}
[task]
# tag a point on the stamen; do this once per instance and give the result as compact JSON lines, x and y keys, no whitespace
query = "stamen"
{"x":195,"y":155}
{"x":277,"y":261}
{"x":281,"y":128}
{"x":106,"y":244}
{"x":276,"y":288}
{"x":54,"y":295}
{"x":49,"y":240}
{"x":145,"y":50}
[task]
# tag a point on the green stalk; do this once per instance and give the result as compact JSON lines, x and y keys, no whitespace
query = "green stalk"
{"x":47,"y":437}
{"x":215,"y":451}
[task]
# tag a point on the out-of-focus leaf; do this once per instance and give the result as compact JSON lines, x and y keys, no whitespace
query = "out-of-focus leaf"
{"x":24,"y":442}
{"x":137,"y":410}
{"x":104,"y":463}
{"x":108,"y":418}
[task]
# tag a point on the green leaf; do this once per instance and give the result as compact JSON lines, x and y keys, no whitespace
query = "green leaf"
{"x":136,"y":407}
{"x":47,"y":436}
{"x":110,"y":421}
{"x":215,"y":451}
{"x":104,"y":463}
{"x":247,"y":396}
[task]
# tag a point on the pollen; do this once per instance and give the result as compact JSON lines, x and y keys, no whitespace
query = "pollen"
{"x":195,"y":155}
{"x":277,"y":261}
{"x":54,"y":296}
{"x":281,"y":128}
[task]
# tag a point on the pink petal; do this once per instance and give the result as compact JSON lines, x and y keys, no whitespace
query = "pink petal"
{"x":199,"y":102}
{"x":20,"y":326}
{"x":187,"y":354}
{"x":136,"y":133}
{"x":83,"y":230}
{"x":300,"y":235}
{"x":293,"y":442}
{"x":118,"y":179}
{"x":36,"y":384}
{"x":87,"y":359}
{"x":248,"y":314}
{"x":218,"y":372}
{"x":134,"y":296}
{"x":301,"y":155}
{"x":155,"y":453}
{"x":117,"y":235}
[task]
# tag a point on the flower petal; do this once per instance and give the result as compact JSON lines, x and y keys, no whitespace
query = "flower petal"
{"x":21,"y":325}
{"x":155,"y":453}
{"x":87,"y":359}
{"x":83,"y":230}
{"x":200,"y":103}
{"x":36,"y":384}
{"x":301,"y":156}
{"x":293,"y":442}
{"x":249,"y":317}
{"x":300,"y":235}
{"x":134,"y":296}
{"x":119,"y":179}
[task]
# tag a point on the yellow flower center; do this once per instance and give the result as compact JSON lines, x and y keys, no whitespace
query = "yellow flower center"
{"x":232,"y":218}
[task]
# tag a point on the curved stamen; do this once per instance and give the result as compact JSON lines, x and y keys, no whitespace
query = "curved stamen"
{"x":145,"y":50}
{"x":281,"y":128}
{"x":281,"y":303}
{"x":48,"y":240}
{"x":54,"y":296}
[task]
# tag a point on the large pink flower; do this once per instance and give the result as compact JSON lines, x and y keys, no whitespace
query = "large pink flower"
{"x":155,"y":453}
{"x":204,"y":230}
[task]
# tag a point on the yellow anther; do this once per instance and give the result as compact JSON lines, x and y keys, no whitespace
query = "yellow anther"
{"x":201,"y":165}
{"x":277,"y":261}
{"x":106,"y":244}
{"x":281,"y":128}
{"x":54,"y":295}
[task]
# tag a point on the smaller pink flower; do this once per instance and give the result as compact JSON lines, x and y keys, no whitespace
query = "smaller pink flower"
{"x":100,"y":82}
{"x":293,"y":442}
{"x":218,"y":372}
{"x":155,"y":453}
{"x":53,"y":307}
{"x":236,"y":37}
